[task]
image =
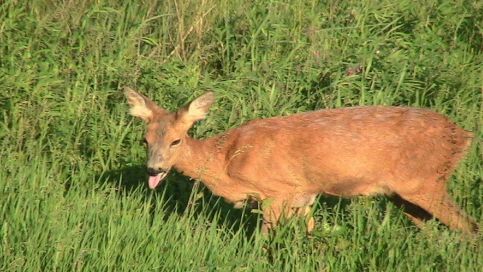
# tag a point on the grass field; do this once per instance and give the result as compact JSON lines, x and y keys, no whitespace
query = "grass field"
{"x":73,"y":192}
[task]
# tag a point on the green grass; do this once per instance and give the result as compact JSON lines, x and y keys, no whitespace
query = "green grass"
{"x":73,"y":194}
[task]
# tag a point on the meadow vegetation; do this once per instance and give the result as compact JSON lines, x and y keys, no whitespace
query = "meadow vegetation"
{"x":73,"y":192}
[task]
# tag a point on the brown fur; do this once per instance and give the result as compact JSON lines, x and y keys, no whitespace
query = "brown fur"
{"x":405,"y":152}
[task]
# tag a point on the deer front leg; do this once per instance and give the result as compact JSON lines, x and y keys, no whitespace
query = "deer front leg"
{"x":309,"y":219}
{"x":302,"y":204}
{"x":273,"y":211}
{"x":276,"y":210}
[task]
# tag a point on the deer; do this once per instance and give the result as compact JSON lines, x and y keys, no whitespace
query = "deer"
{"x":405,"y":153}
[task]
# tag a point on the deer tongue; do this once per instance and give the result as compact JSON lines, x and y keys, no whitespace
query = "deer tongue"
{"x":154,"y":181}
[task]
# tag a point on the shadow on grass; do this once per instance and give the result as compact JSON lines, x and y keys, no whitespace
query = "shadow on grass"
{"x":181,"y":196}
{"x":179,"y":192}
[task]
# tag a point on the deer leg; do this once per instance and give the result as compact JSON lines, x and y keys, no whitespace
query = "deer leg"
{"x":284,"y":209}
{"x":273,"y":213}
{"x":271,"y":216}
{"x":440,"y":205}
{"x":305,"y":211}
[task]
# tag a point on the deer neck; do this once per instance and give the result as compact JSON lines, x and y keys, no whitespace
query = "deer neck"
{"x":199,"y":159}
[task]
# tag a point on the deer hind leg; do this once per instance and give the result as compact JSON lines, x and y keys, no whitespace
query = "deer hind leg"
{"x":438,"y":203}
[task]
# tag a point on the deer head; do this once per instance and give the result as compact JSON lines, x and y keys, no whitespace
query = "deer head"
{"x":166,"y":131}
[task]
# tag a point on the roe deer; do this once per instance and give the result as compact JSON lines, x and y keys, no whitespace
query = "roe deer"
{"x":406,"y":153}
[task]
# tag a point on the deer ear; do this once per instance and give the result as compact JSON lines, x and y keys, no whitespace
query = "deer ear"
{"x":140,"y":106}
{"x":199,"y":108}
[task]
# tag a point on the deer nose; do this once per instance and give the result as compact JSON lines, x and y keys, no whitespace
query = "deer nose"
{"x":156,"y":171}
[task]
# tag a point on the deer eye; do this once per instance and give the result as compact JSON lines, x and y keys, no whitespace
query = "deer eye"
{"x":175,"y":142}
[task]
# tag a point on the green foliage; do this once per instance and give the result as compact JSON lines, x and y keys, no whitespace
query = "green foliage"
{"x":72,"y":182}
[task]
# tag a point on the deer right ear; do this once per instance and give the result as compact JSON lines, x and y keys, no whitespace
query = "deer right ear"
{"x":140,"y":106}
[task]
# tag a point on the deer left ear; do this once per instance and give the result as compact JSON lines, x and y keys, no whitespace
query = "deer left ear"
{"x":198,"y":108}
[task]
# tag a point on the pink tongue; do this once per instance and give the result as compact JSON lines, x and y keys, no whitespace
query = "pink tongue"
{"x":153,"y":181}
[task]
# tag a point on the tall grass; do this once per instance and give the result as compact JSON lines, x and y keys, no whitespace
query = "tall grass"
{"x":72,"y":182}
